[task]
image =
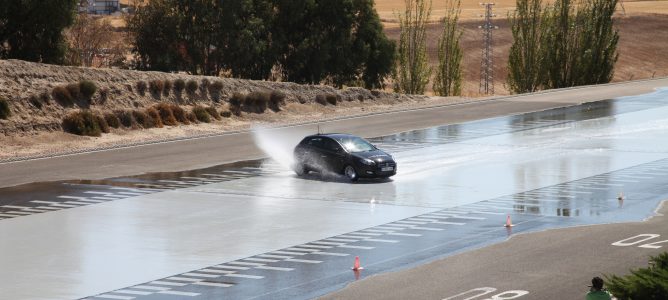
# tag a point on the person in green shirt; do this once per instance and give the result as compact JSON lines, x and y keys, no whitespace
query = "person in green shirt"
{"x":597,"y":292}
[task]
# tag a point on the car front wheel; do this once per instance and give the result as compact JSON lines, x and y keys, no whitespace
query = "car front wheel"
{"x":300,"y":170}
{"x":350,"y":173}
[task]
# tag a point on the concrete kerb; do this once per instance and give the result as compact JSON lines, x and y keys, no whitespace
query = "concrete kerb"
{"x":210,"y":135}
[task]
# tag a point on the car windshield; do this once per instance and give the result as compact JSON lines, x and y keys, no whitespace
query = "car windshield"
{"x":355,"y":144}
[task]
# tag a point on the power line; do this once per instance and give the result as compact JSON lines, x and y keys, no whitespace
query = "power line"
{"x":487,"y":63}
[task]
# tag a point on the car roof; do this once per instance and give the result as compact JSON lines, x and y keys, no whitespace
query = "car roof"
{"x":333,"y":135}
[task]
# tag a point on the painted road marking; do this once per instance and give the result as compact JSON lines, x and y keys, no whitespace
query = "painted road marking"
{"x":149,"y":287}
{"x":44,"y":202}
{"x":382,"y":241}
{"x":244,"y":276}
{"x":302,"y":250}
{"x":19,"y":212}
{"x":405,"y":234}
{"x":97,"y":193}
{"x":106,"y":198}
{"x":274,"y":268}
{"x":378,"y":231}
{"x":241,"y":263}
{"x":261,"y":260}
{"x":131,"y":292}
{"x":341,"y":240}
{"x":330,"y":253}
{"x":216,"y":284}
{"x":159,"y":282}
{"x":428,"y":228}
{"x":230,"y":267}
{"x":75,"y":202}
{"x":411,"y":222}
{"x":274,"y":256}
{"x":306,"y":261}
{"x":289,"y":253}
{"x":215,"y":271}
{"x":49,"y":208}
{"x":368,"y":233}
{"x":179,"y":293}
{"x":327,"y":243}
{"x":449,"y":223}
{"x":356,"y":247}
{"x":315,"y":246}
{"x":353,"y":236}
{"x":177,"y":278}
{"x":107,"y":296}
{"x":192,"y":274}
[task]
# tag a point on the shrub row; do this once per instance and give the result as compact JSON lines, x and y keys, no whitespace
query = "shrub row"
{"x":324,"y":99}
{"x":159,"y":88}
{"x":256,"y":102}
{"x":83,"y":122}
{"x":68,"y":94}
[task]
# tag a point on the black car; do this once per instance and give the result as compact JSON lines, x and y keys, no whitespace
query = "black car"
{"x":344,"y":154}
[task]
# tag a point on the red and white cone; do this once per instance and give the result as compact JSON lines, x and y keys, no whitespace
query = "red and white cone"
{"x":356,"y":266}
{"x":509,"y":223}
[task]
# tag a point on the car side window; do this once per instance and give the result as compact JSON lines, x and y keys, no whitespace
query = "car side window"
{"x":331,"y":145}
{"x":315,"y":142}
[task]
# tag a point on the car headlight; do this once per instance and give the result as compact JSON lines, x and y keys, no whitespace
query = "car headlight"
{"x":367,"y":161}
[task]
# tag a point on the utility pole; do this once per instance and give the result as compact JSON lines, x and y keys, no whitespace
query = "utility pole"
{"x":487,"y":63}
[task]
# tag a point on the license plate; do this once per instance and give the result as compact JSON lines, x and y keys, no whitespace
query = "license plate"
{"x":385,"y":169}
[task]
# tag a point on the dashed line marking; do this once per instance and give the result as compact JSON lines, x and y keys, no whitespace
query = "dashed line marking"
{"x":131,"y":292}
{"x":215,"y":284}
{"x":274,"y":268}
{"x":357,"y":247}
{"x":160,"y":282}
{"x":244,"y":276}
{"x":306,"y":261}
{"x":190,"y":294}
{"x":150,"y":287}
{"x":230,"y":267}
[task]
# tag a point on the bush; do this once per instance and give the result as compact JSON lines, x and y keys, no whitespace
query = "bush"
{"x":126,"y":118}
{"x":141,"y":87}
{"x":62,"y":96}
{"x":166,"y":114}
{"x":167,"y":88}
{"x":191,"y":87}
{"x":643,"y":283}
{"x":276,"y":99}
{"x":257,"y":101}
{"x":331,"y":99}
{"x":213,"y":112}
{"x":179,"y":85}
{"x":34,"y":100}
{"x":321,"y":99}
{"x":201,"y":114}
{"x":102,"y":123}
{"x":205,"y":86}
{"x":74,"y":91}
{"x":143,"y":119}
{"x":156,"y":87}
{"x":112,"y":120}
{"x":226,"y":114}
{"x":104,"y":95}
{"x":192,"y":117}
{"x":82,"y":123}
{"x":235,"y":103}
{"x":87,"y":89}
{"x":180,"y":114}
{"x":4,"y":109}
{"x":214,"y":90}
{"x":45,"y":98}
{"x":155,"y":116}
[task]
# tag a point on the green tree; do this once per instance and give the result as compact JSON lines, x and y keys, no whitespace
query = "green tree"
{"x":412,"y":69}
{"x":33,"y":29}
{"x":156,"y":38}
{"x":644,"y":283}
{"x":527,"y":56}
{"x":448,"y":81}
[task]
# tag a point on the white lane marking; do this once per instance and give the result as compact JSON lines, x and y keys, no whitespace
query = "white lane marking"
{"x":71,"y":197}
{"x":366,"y":233}
{"x":126,"y":189}
{"x":98,"y":193}
{"x":176,"y":182}
{"x":91,"y":201}
{"x":274,"y":256}
{"x":382,"y":241}
{"x":300,"y":249}
{"x":484,"y":212}
{"x":327,"y":243}
{"x":421,"y":219}
{"x":33,"y":210}
{"x":449,"y":223}
{"x":75,"y":202}
{"x":356,"y":247}
{"x":411,"y":222}
{"x":131,"y":193}
{"x":160,"y":282}
{"x":378,"y":231}
{"x":289,"y":253}
{"x":306,"y":261}
{"x":44,"y":202}
{"x":241,"y":263}
{"x":131,"y":292}
{"x":400,"y":226}
{"x":14,"y":206}
{"x":200,"y":179}
{"x":330,"y":253}
{"x":274,"y":268}
{"x":216,"y":175}
{"x":261,"y":260}
{"x":341,"y":240}
{"x":230,"y":267}
{"x":315,"y":246}
{"x":454,"y":216}
{"x":428,"y":228}
{"x":49,"y":208}
{"x":404,"y":234}
{"x":186,"y":279}
{"x":105,"y":198}
{"x":189,"y":294}
{"x":150,"y":288}
{"x":350,"y":236}
{"x":391,"y":228}
{"x":193,"y":274}
{"x":107,"y":296}
{"x":244,"y":276}
{"x":216,"y":284}
{"x":9,"y":216}
{"x":19,"y":212}
{"x":215,"y":271}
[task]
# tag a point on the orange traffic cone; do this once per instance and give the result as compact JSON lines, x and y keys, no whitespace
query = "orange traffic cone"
{"x":509,"y":223}
{"x":357,"y":266}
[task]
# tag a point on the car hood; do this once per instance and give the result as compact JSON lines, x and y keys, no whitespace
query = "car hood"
{"x":375,"y":155}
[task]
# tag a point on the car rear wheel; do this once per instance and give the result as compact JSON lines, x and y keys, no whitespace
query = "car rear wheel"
{"x":350,"y":173}
{"x":300,"y":169}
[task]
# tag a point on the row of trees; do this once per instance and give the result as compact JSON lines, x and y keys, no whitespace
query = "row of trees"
{"x":339,"y":42}
{"x":567,"y":44}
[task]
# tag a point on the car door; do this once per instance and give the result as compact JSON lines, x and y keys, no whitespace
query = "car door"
{"x":333,"y":154}
{"x":312,"y":153}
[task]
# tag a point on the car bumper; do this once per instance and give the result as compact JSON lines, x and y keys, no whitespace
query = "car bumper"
{"x":365,"y":171}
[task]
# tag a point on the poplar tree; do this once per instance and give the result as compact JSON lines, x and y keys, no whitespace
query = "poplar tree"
{"x":527,"y":61}
{"x":412,"y":71}
{"x":448,"y":81}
